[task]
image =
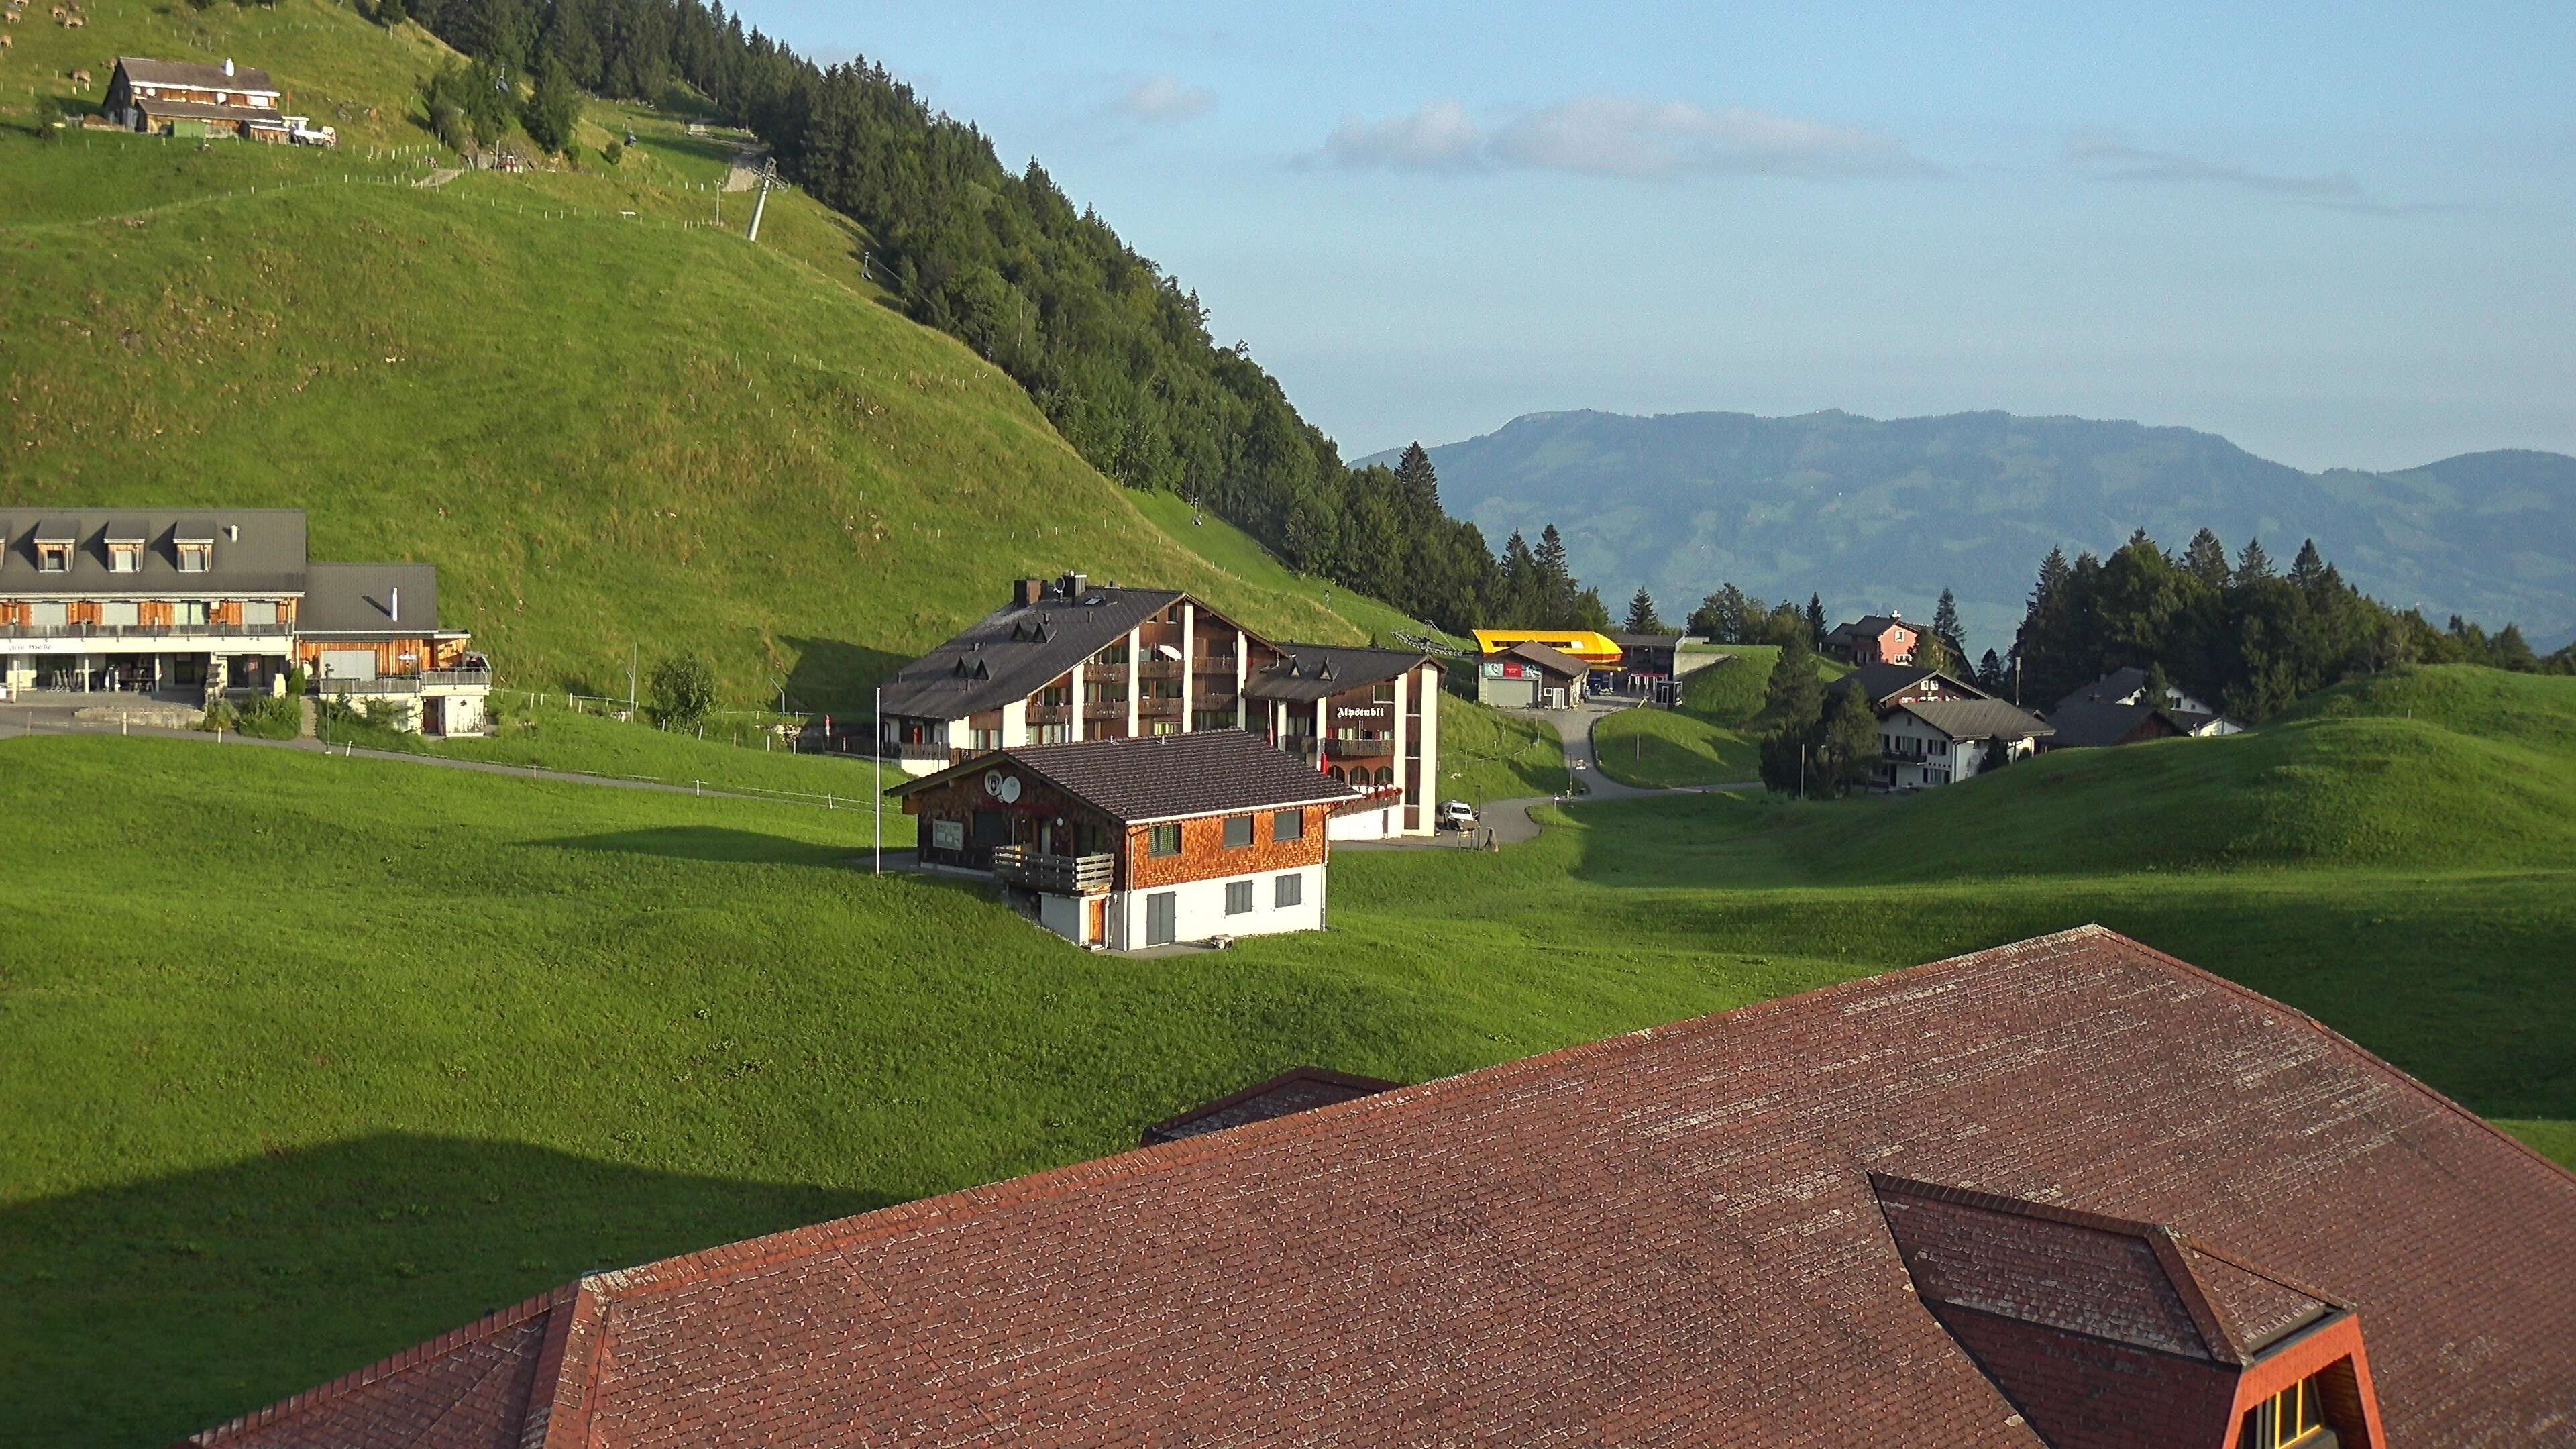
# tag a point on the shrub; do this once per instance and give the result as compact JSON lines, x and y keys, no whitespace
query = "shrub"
{"x":220,"y":715}
{"x":680,"y":692}
{"x":610,"y":152}
{"x":271,"y":717}
{"x":390,"y":13}
{"x":296,"y":682}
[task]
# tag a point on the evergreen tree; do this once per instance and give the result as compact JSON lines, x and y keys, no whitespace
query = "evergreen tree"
{"x":2206,"y":559}
{"x":1421,"y":486}
{"x":1945,"y":620}
{"x":1816,"y":629}
{"x":500,"y":31}
{"x":1990,"y":674}
{"x":1555,"y":579}
{"x":1641,"y":614}
{"x":569,"y":39}
{"x":2511,"y":651}
{"x":1998,"y":754}
{"x":1931,"y":651}
{"x":1720,"y":617}
{"x":2159,"y":689}
{"x":2308,"y":570}
{"x":1588,"y":612}
{"x":2252,"y":564}
{"x":1849,"y":746}
{"x":553,"y":108}
{"x":1793,"y":691}
{"x":390,"y":13}
{"x":1521,"y":602}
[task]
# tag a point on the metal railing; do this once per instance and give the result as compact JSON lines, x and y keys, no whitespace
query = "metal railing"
{"x":1359,"y":747}
{"x":146,"y":631}
{"x":456,"y":676}
{"x":384,"y":684}
{"x":1064,"y":875}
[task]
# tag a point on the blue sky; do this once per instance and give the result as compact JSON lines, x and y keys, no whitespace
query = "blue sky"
{"x":2340,"y":235}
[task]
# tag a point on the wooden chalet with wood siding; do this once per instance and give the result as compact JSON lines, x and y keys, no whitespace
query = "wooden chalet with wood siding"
{"x":192,"y":606}
{"x":180,"y":98}
{"x":1139,"y":841}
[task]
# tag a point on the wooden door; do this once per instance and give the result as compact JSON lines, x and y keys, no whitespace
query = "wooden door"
{"x":1099,"y":932}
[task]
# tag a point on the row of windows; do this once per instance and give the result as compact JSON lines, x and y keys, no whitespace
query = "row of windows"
{"x":127,"y":612}
{"x":1285,"y":891}
{"x":122,"y":558}
{"x":1241,"y":832}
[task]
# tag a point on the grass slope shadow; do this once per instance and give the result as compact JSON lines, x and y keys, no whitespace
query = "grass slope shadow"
{"x":128,"y":1322}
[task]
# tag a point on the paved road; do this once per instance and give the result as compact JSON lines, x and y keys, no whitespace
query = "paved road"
{"x":1509,"y":820}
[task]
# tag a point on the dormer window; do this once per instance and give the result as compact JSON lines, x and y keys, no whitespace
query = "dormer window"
{"x":53,"y":557}
{"x":124,"y":557}
{"x":195,"y":555}
{"x":2292,"y":1416}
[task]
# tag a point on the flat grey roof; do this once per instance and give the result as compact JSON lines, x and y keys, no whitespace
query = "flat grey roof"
{"x":355,"y":600}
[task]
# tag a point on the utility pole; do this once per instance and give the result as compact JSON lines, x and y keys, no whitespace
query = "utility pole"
{"x":768,"y":178}
{"x":634,"y":657}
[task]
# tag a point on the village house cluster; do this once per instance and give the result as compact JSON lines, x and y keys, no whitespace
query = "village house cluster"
{"x":2064,"y":1194}
{"x":192,"y":606}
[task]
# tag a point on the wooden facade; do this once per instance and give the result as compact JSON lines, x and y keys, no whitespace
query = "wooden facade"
{"x":962,"y":824}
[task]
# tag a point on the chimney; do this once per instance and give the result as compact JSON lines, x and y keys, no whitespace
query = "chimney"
{"x":1026,"y":592}
{"x":393,"y":605}
{"x":228,"y":66}
{"x":1074,"y":585}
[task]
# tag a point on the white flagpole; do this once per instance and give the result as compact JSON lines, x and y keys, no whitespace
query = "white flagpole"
{"x":876,"y":759}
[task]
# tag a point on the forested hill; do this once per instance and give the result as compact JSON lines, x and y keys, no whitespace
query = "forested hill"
{"x":1877,"y":514}
{"x":1115,"y":352}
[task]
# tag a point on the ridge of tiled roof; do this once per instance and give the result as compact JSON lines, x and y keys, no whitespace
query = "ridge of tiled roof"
{"x":1015,"y":661}
{"x":673,"y":1346}
{"x":1978,"y":719}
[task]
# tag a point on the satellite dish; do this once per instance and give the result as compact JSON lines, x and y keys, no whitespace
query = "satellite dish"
{"x":1010,"y":789}
{"x":993,"y":782}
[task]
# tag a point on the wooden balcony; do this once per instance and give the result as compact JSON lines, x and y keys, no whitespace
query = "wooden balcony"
{"x":1106,"y":709}
{"x":1152,"y":708}
{"x":1061,"y":875}
{"x":1213,"y":704}
{"x":1105,"y":673}
{"x":1050,"y":714}
{"x":1159,"y":669}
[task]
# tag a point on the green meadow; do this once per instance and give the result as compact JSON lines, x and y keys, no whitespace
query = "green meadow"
{"x":363,"y":1049}
{"x":1714,"y":737}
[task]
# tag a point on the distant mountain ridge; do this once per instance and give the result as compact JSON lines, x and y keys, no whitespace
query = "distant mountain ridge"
{"x":1879,"y":514}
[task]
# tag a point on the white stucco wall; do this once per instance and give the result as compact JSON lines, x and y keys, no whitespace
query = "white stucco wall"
{"x":1366,"y":824}
{"x":1199,"y":911}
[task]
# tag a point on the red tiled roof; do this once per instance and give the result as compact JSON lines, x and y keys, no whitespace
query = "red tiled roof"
{"x":1666,"y":1238}
{"x":1298,"y":1089}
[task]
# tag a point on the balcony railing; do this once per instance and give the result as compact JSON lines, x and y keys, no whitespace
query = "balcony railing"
{"x":1349,"y":748}
{"x":383,"y":684}
{"x":1105,"y":673}
{"x":1044,"y":714}
{"x":1153,"y":708}
{"x":1213,"y":704}
{"x":1063,"y":875}
{"x":1105,"y":709}
{"x":456,"y":677}
{"x":1159,"y":669}
{"x":145,"y":631}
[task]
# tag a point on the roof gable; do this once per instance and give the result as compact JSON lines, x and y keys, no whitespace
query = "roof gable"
{"x":1014,"y":652}
{"x":244,"y":80}
{"x":1307,"y":672}
{"x":1141,"y":779}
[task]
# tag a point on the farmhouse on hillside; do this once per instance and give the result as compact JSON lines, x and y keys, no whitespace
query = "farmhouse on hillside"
{"x":1068,"y":660}
{"x":179,"y":98}
{"x":1873,"y":639}
{"x":1141,"y":841}
{"x":2064,"y":1194}
{"x":197,"y":605}
{"x":1934,"y":729}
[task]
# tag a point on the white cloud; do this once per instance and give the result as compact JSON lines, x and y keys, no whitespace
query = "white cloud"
{"x":1621,"y":136}
{"x":1165,"y":100}
{"x":1626,"y":136}
{"x":1439,"y":137}
{"x":2114,"y":161}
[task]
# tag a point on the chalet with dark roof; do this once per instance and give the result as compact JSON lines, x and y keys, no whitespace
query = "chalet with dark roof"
{"x":2116,"y":710}
{"x":1368,"y":718}
{"x":1936,"y":729}
{"x":194,"y":605}
{"x":1145,"y":840}
{"x":169,"y":97}
{"x":2064,"y":1194}
{"x":1069,"y":660}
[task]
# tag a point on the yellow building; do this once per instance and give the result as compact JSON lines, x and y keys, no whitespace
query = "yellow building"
{"x":1596,"y":649}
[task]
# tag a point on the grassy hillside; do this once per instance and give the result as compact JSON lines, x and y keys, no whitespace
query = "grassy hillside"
{"x":504,"y":1031}
{"x":1713,"y":738}
{"x":2457,"y":765}
{"x":608,"y":420}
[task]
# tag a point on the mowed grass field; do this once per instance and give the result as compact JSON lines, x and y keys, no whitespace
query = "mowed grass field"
{"x":311,"y":1058}
{"x":1713,"y":738}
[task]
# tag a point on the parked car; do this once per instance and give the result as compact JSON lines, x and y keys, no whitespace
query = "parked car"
{"x":301,"y":131}
{"x":1455,"y":815}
